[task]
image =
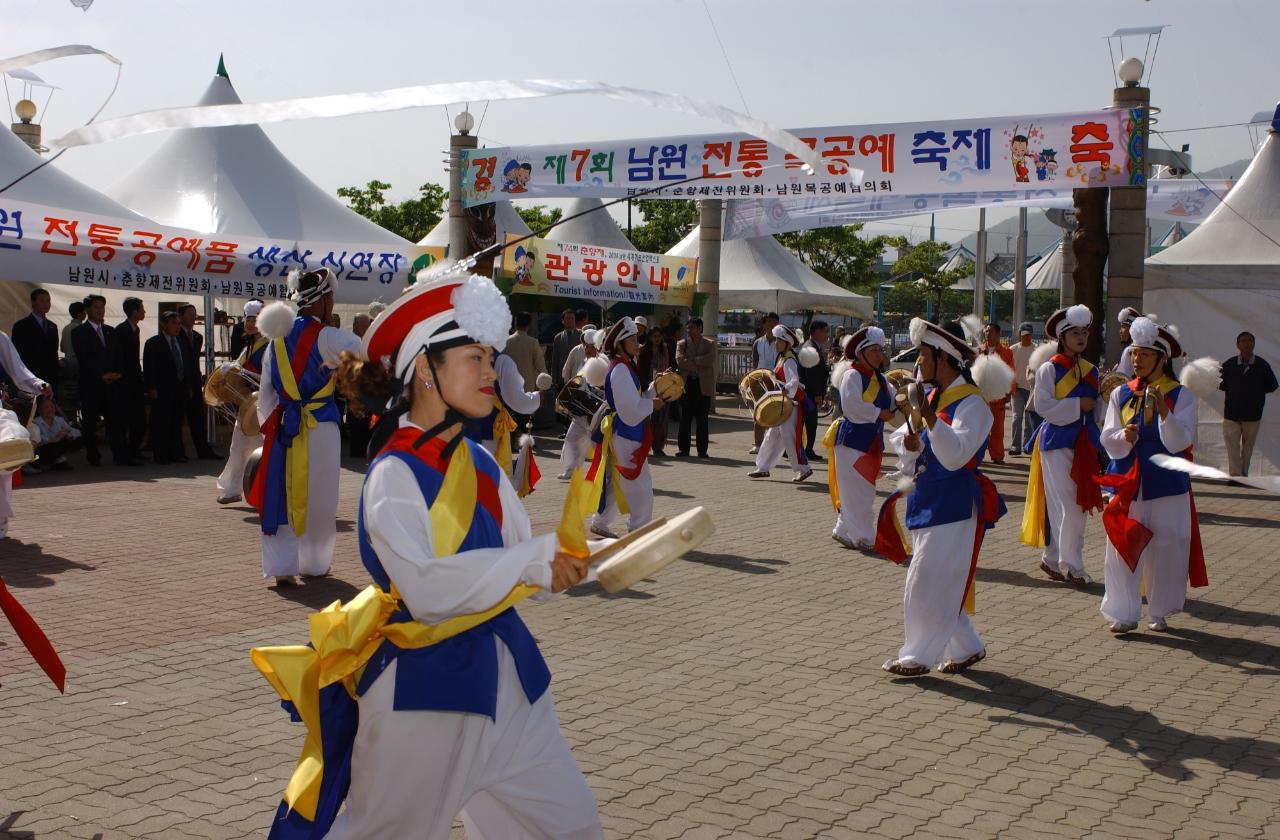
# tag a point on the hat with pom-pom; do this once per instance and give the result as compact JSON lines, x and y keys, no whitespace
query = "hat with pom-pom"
{"x":1146,"y":333}
{"x":1073,"y":317}
{"x":862,"y":339}
{"x":1127,"y":315}
{"x":924,"y":332}
{"x":622,"y":330}
{"x":785,"y":333}
{"x":305,"y":288}
{"x":445,"y":307}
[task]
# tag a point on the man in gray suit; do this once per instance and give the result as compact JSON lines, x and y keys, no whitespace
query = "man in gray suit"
{"x":696,"y":360}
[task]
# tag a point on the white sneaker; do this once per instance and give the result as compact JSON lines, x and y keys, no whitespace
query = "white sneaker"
{"x":601,"y":531}
{"x":1159,"y":625}
{"x":565,"y":476}
{"x":753,"y":450}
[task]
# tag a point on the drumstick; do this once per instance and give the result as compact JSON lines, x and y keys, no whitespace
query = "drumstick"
{"x":901,"y":400}
{"x":622,"y":542}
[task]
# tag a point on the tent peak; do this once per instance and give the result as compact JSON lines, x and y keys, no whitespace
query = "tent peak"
{"x":222,"y":67}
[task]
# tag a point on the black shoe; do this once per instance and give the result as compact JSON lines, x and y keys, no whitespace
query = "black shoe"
{"x":682,"y":453}
{"x":128,"y":462}
{"x":209,"y":455}
{"x":813,"y":456}
{"x":180,"y":459}
{"x":703,"y":455}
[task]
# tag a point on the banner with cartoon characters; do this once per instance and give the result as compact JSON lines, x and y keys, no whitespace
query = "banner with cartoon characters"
{"x":1092,"y":148}
{"x":1168,"y":200}
{"x":609,"y":275}
{"x":41,"y":244}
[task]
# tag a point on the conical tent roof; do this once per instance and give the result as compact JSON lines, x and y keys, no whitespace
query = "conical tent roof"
{"x":505,"y":218}
{"x":595,"y":228}
{"x":49,"y":185}
{"x":760,"y":273}
{"x":1046,"y":273}
{"x":234,"y":180}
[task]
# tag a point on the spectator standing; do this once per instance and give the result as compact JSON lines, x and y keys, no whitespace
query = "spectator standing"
{"x":654,"y":359}
{"x":129,"y":391}
{"x":192,"y":344}
{"x":814,"y":380}
{"x":58,"y":438}
{"x":98,"y":359}
{"x":1246,"y":379}
{"x":36,"y":338}
{"x":1024,"y":420}
{"x":525,"y":351}
{"x":568,"y":338}
{"x":764,"y":355}
{"x":994,"y":346}
{"x":360,"y":324}
{"x":68,"y":370}
{"x":696,"y":360}
{"x":164,"y":369}
{"x":642,"y":330}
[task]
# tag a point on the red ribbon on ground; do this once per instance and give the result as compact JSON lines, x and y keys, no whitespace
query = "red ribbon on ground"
{"x":36,"y":642}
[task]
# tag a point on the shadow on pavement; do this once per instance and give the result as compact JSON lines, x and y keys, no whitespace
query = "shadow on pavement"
{"x":736,"y":563}
{"x":317,"y":593}
{"x":1161,"y":747}
{"x":674,"y":494}
{"x":28,"y":566}
{"x":1031,"y":578}
{"x":595,"y":590}
{"x":1209,"y":611}
{"x":1228,"y":519}
{"x":1220,"y":650}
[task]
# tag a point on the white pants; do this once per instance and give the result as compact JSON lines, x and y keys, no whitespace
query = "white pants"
{"x":1065,"y":549}
{"x":511,"y":778}
{"x":6,"y":501}
{"x":779,"y":440}
{"x":637,"y":491}
{"x":231,"y":482}
{"x":935,"y":623}
{"x":577,"y":440}
{"x":1239,"y":436}
{"x":1163,"y":563}
{"x":856,"y":520}
{"x":286,"y":554}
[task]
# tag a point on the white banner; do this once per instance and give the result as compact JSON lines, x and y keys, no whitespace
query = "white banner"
{"x":1172,"y":200}
{"x":1094,"y":148}
{"x":41,"y":244}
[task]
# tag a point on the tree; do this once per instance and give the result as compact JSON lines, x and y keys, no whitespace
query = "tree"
{"x":922,"y":263}
{"x":539,"y":216}
{"x":666,"y":222}
{"x":413,"y":218}
{"x":839,"y":255}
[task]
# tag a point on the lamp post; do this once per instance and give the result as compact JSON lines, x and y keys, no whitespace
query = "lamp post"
{"x":1127,"y":222}
{"x":27,"y":130}
{"x":464,"y":139}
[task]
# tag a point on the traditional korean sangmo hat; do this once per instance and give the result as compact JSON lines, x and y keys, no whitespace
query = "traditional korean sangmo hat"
{"x":786,"y":334}
{"x":445,"y":307}
{"x":252,"y":308}
{"x":622,"y":330}
{"x":307,"y":288}
{"x":1066,"y":319}
{"x":1145,"y":332}
{"x":861,"y":340}
{"x":923,"y":332}
{"x":1127,"y":315}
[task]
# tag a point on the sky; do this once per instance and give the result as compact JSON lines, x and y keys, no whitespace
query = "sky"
{"x":798,"y":63}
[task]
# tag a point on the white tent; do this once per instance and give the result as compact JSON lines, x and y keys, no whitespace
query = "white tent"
{"x":506,"y":220}
{"x":959,"y":257}
{"x":597,"y":227}
{"x":1224,"y":277}
{"x":234,"y":180}
{"x":759,"y":273}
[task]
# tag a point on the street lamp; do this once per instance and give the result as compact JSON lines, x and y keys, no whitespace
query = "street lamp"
{"x":1130,"y":71}
{"x":27,"y":130}
{"x":464,"y":122}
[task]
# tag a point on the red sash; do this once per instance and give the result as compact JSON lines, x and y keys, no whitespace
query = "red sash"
{"x":868,"y":464}
{"x":36,"y":642}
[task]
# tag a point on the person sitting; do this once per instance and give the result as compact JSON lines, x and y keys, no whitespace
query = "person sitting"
{"x":58,"y":438}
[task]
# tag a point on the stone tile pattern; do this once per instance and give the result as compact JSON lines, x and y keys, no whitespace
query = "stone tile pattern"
{"x":736,"y":695}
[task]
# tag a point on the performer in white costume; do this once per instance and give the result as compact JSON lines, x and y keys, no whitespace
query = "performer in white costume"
{"x":577,"y":440}
{"x":949,"y":507}
{"x":629,"y":434}
{"x":788,"y":438}
{"x":231,"y":480}
{"x":1061,"y":490}
{"x":1152,"y":535}
{"x":296,"y":490}
{"x":13,"y":427}
{"x":866,"y":402}
{"x":592,"y":341}
{"x":455,"y":716}
{"x":1126,"y":318}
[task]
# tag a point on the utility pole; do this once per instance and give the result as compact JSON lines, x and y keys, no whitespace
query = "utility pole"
{"x":1020,"y":271}
{"x":458,"y":247}
{"x":1127,"y":223}
{"x":709,"y":234}
{"x":980,"y":265}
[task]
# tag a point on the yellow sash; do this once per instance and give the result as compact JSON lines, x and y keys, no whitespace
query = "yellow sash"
{"x":295,"y":459}
{"x":829,"y":443}
{"x":1033,"y":512}
{"x":503,"y":425}
{"x":1072,"y":378}
{"x":344,"y":636}
{"x":1131,"y":408}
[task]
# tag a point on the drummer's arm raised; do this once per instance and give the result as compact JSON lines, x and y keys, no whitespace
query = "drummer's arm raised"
{"x":436,"y":588}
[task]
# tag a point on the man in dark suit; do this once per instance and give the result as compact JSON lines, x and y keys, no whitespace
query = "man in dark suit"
{"x":814,"y":380}
{"x":36,"y":339}
{"x":192,"y":347}
{"x":164,"y":370}
{"x":96,"y":352}
{"x":132,"y":401}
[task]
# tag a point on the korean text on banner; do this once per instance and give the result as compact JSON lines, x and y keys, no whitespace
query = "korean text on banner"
{"x":566,"y":269}
{"x":41,"y":244}
{"x":1093,"y":148}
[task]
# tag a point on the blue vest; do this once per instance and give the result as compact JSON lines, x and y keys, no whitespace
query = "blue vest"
{"x":459,"y":674}
{"x":943,"y":496}
{"x":314,"y":377}
{"x":254,"y":361}
{"x":859,"y":436}
{"x":1153,"y":482}
{"x":1053,"y":436}
{"x":620,"y":428}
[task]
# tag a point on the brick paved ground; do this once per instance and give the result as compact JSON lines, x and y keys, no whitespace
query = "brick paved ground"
{"x":737,"y":695}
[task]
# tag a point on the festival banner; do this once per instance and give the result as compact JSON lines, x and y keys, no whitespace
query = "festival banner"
{"x":1092,"y":148}
{"x":609,"y":275}
{"x":41,"y":244}
{"x":1173,"y":200}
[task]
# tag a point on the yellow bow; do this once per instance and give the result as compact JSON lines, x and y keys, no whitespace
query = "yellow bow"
{"x":503,"y":425}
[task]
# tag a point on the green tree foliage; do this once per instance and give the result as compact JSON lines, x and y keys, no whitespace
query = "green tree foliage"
{"x":539,"y":216}
{"x":666,"y":222}
{"x":839,"y":255}
{"x":413,"y":218}
{"x":921,"y":264}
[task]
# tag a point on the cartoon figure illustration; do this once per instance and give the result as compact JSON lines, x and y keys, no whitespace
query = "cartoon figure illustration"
{"x":525,"y":259}
{"x":515,"y":175}
{"x":1018,"y":156}
{"x":1046,"y":165}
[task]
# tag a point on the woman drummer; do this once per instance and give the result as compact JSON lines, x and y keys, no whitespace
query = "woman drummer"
{"x":789,"y":437}
{"x":465,"y":724}
{"x":866,"y":402}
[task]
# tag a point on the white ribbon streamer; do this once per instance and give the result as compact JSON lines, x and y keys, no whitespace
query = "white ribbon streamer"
{"x":41,"y":56}
{"x":423,"y":96}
